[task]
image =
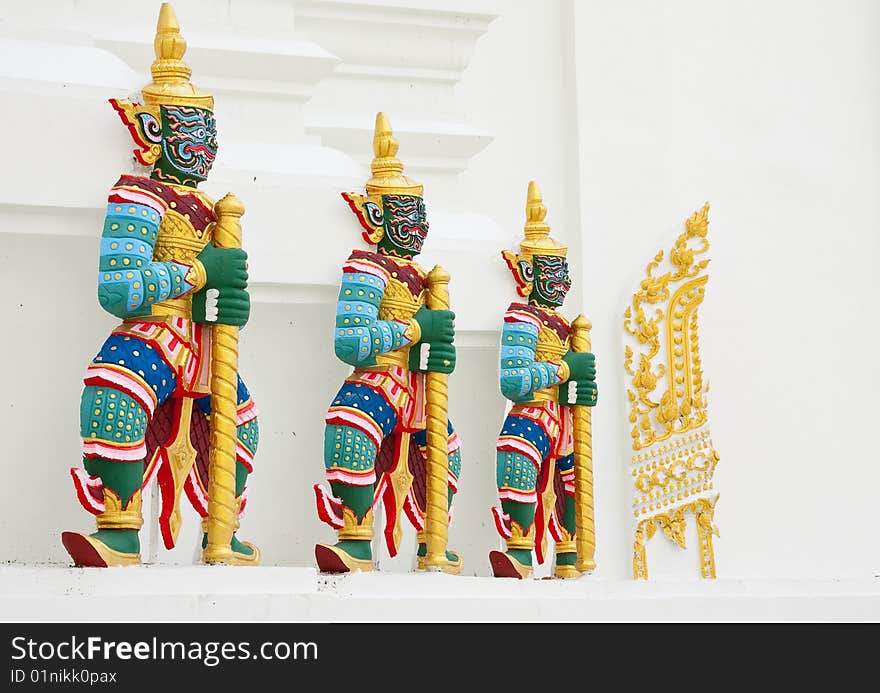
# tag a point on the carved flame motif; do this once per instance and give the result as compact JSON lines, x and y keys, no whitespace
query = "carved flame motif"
{"x":673,"y":458}
{"x":673,"y":411}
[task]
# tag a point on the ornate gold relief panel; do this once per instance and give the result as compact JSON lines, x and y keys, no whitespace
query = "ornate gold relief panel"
{"x":673,"y":458}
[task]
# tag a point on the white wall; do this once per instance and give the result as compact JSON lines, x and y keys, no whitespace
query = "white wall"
{"x":630,"y":115}
{"x":769,"y":110}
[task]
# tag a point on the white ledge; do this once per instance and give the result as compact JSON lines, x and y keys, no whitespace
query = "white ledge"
{"x":458,"y":143}
{"x":385,"y":73}
{"x":431,"y":15}
{"x":377,"y":39}
{"x":63,"y":65}
{"x":228,"y":63}
{"x":178,"y":593}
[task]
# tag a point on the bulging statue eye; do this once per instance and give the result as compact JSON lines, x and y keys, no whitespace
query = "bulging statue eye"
{"x":200,"y":133}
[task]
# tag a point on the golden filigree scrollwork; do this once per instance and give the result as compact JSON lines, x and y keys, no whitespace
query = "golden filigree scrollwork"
{"x":673,"y":525}
{"x":674,"y":460}
{"x":680,"y":405}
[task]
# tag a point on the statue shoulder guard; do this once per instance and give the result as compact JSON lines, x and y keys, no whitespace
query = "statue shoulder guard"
{"x":185,"y":227}
{"x":404,"y":283}
{"x":553,"y":329}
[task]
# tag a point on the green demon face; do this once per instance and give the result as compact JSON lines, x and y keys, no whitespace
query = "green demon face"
{"x":189,"y":145}
{"x":405,"y":225}
{"x":551,"y":280}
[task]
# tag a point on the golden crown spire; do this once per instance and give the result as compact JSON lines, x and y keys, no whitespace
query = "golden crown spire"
{"x":535,"y":226}
{"x":171,"y":85}
{"x":386,"y":168}
{"x":537,"y":239}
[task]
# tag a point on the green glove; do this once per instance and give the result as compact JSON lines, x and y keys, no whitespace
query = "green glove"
{"x":586,"y":393}
{"x":581,"y":365}
{"x":226,"y":268}
{"x":224,"y":298}
{"x":436,"y":325}
{"x":221,"y":307}
{"x":441,"y":358}
{"x":438,"y":331}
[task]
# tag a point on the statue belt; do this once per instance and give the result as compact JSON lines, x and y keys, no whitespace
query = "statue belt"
{"x":548,"y":394}
{"x":173,"y":308}
{"x":400,"y":357}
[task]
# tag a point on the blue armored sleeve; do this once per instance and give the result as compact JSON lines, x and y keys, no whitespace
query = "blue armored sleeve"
{"x":521,"y":374}
{"x":360,"y":335}
{"x":129,"y":280}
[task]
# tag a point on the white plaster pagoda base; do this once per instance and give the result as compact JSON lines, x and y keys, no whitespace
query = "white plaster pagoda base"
{"x":202,"y":593}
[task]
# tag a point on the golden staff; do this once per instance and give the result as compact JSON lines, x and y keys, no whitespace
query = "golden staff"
{"x":583,"y":461}
{"x":437,"y":467}
{"x":224,"y":402}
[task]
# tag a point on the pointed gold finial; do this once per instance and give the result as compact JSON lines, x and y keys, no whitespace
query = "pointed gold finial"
{"x":170,"y":47}
{"x":171,"y":85}
{"x":386,"y":168}
{"x":535,"y":226}
{"x":384,"y":145}
{"x":537,"y":239}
